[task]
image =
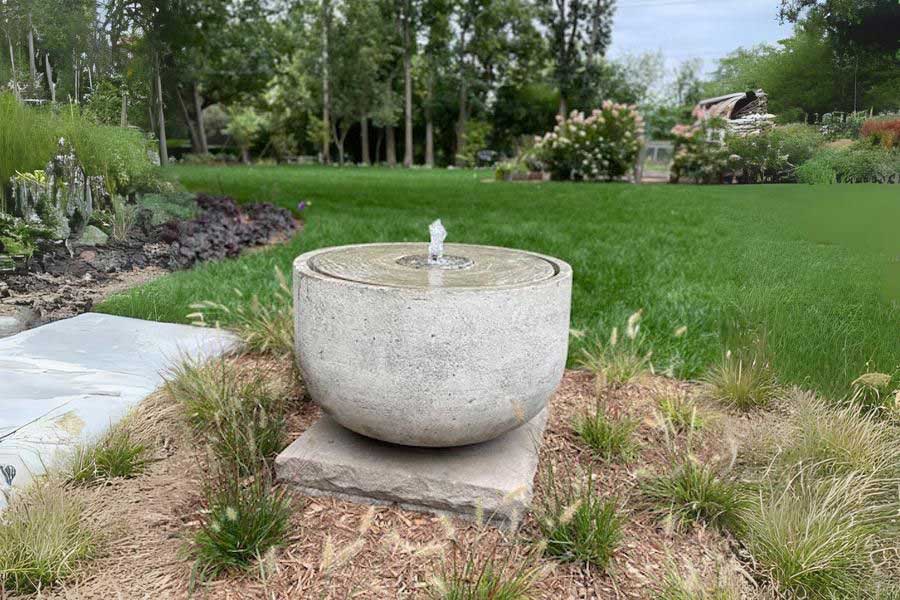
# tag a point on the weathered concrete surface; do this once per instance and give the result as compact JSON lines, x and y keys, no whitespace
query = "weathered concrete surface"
{"x":431,"y":357}
{"x":67,"y":382}
{"x":494,"y":477}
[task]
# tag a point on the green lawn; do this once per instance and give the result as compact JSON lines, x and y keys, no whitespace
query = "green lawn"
{"x":814,"y":268}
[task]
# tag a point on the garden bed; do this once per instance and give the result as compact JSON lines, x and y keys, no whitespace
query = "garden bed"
{"x":64,"y":280}
{"x":150,"y":518}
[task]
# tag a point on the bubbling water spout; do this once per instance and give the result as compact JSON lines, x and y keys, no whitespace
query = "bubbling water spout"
{"x":436,"y":245}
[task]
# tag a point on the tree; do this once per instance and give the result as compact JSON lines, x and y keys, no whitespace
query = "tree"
{"x":244,"y":126}
{"x":580,"y":32}
{"x":686,"y":83}
{"x":433,"y":63}
{"x":852,"y":24}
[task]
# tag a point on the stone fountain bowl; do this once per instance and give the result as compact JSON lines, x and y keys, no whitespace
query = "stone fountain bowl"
{"x":431,"y":355}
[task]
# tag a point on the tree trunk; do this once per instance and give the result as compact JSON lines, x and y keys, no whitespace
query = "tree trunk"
{"x":429,"y":140}
{"x":391,"y":147}
{"x":563,"y":105}
{"x":326,"y":85}
{"x":12,"y":63}
{"x":463,"y":117}
{"x":50,"y":84}
{"x":123,"y":118}
{"x":192,"y":129}
{"x":407,"y":97}
{"x":201,"y":127}
{"x":429,"y":126}
{"x":75,"y":74}
{"x":378,"y":141}
{"x":161,"y":118}
{"x":32,"y":65}
{"x":339,"y":142}
{"x":364,"y":140}
{"x":245,"y":155}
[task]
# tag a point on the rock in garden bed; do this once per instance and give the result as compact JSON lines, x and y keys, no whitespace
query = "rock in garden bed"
{"x":64,"y":279}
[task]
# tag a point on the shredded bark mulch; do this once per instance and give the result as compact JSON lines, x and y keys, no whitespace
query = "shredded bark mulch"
{"x":338,"y":549}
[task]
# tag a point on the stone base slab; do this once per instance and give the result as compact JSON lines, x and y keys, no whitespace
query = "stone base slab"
{"x":494,"y":478}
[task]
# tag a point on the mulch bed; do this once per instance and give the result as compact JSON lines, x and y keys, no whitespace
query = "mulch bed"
{"x":64,"y":281}
{"x":149,"y":519}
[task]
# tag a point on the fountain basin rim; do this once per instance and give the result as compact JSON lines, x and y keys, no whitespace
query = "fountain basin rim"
{"x":304,"y":266}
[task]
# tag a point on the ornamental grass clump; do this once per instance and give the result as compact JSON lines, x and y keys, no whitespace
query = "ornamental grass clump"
{"x":742,"y":382}
{"x":117,"y":454}
{"x":265,"y":327}
{"x":486,"y":568}
{"x":601,"y":146}
{"x":242,"y":521}
{"x":610,"y":439}
{"x":821,"y":537}
{"x":576,"y":523}
{"x":621,"y":359}
{"x":693,"y":493}
{"x":679,"y":413}
{"x":44,"y":536}
{"x":238,"y":414}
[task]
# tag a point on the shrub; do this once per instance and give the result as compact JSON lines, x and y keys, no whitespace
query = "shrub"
{"x":44,"y":535}
{"x":610,"y":439}
{"x":576,"y":523}
{"x":742,"y":382}
{"x":19,"y":237}
{"x":882,"y":131}
{"x":180,"y":206}
{"x":245,"y":125}
{"x":117,"y":454}
{"x":241,"y":522}
{"x":603,"y":145}
{"x":693,"y":493}
{"x":700,"y":154}
{"x":858,"y":163}
{"x":815,"y":538}
{"x":475,"y":139}
{"x":774,"y":154}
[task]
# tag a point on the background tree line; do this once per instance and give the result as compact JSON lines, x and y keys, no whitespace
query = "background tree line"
{"x":409,"y":81}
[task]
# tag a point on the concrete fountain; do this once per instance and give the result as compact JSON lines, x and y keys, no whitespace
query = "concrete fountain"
{"x":433,"y":365}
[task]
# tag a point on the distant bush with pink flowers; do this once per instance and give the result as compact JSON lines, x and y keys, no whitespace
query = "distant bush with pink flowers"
{"x":701,"y":155}
{"x":601,"y":146}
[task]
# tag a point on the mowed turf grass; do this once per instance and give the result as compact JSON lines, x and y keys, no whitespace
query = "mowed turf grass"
{"x":814,"y":269}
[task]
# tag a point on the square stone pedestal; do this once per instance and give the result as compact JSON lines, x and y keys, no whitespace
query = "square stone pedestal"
{"x":494,"y":477}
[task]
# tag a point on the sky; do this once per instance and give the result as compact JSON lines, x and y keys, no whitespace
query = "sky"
{"x":684,"y":29}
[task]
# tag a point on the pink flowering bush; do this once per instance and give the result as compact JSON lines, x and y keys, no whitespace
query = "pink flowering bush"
{"x":603,"y":145}
{"x":700,"y":155}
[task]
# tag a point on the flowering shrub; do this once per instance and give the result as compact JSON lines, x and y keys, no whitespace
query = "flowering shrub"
{"x":700,"y":153}
{"x":772,"y":155}
{"x":603,"y":145}
{"x":883,"y":131}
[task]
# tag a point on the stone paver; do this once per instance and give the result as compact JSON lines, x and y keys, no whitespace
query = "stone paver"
{"x":494,"y":477}
{"x":67,"y":382}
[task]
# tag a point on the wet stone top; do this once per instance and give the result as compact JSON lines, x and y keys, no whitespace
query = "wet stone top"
{"x":407,"y":265}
